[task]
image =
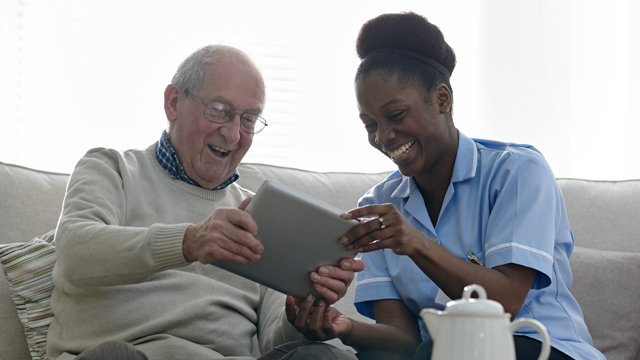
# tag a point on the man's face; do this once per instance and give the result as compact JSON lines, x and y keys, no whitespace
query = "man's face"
{"x":209,"y":151}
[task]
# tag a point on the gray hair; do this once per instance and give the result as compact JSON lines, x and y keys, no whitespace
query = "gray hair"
{"x":192,"y":70}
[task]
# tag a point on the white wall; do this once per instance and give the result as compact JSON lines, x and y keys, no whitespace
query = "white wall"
{"x":562,"y":75}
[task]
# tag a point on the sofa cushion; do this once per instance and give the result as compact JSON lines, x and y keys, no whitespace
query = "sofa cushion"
{"x":605,"y":285}
{"x":28,"y":267}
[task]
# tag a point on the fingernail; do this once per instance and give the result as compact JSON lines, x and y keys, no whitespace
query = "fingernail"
{"x":323,"y":270}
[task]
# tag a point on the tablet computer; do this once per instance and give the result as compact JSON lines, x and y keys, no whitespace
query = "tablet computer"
{"x":299,"y":234}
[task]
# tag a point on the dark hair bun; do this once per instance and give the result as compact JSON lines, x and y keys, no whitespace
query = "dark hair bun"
{"x":405,"y":31}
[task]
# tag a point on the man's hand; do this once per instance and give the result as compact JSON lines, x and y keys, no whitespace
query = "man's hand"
{"x":331,"y":282}
{"x":229,"y":234}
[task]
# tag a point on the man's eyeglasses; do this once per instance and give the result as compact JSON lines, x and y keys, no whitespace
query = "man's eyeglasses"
{"x":221,"y":113}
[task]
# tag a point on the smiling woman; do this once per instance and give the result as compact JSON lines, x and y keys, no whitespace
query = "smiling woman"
{"x":80,"y":74}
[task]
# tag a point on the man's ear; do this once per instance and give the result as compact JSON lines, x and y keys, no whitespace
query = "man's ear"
{"x":444,"y":98}
{"x":171,"y":102}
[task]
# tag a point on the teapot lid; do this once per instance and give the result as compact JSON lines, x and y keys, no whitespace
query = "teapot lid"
{"x":480,"y":305}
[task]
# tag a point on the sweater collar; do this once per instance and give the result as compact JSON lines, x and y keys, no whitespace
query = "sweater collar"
{"x":168,"y":158}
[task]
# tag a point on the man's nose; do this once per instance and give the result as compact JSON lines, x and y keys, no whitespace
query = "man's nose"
{"x":231,"y":130}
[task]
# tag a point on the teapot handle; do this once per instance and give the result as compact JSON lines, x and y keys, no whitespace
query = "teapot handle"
{"x":470,"y":289}
{"x":536,"y":325}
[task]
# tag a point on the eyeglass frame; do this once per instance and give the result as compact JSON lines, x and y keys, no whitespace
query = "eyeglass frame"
{"x":229,"y":114}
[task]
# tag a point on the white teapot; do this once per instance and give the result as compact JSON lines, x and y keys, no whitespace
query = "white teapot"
{"x":477,"y":328}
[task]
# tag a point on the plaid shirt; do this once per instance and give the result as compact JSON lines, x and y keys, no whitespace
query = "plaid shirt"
{"x":169,"y":160}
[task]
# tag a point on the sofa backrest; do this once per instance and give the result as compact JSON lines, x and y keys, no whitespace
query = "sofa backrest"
{"x":341,"y":189}
{"x":604,"y":215}
{"x":30,"y":202}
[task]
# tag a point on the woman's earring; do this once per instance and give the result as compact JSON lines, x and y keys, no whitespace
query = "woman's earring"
{"x":375,"y":140}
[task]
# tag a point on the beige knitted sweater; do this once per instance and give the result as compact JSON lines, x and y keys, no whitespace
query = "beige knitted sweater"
{"x":120,"y":273}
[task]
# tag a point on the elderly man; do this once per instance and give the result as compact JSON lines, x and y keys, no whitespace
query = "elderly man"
{"x":139,"y":230}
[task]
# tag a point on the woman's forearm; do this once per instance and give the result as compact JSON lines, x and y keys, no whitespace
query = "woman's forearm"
{"x":366,"y":336}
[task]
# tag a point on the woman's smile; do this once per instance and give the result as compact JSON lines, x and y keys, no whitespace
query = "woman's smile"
{"x":399,"y":153}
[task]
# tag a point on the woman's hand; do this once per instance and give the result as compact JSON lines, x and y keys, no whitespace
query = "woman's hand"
{"x":382,"y":227}
{"x":315,"y":319}
{"x":508,"y":284}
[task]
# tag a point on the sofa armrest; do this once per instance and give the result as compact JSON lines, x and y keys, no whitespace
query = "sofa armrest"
{"x":13,"y":341}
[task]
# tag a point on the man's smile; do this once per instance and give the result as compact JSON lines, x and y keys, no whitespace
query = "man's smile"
{"x":219,"y":151}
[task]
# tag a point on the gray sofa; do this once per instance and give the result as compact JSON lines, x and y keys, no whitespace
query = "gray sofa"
{"x":604,"y":215}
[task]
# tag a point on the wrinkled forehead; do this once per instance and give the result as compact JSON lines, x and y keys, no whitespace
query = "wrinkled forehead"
{"x":235,"y":79}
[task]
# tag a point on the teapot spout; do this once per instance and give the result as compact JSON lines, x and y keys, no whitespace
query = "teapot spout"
{"x":432,"y":320}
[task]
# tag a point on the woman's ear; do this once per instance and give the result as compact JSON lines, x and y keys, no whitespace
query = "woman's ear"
{"x":444,"y":98}
{"x":171,"y":102}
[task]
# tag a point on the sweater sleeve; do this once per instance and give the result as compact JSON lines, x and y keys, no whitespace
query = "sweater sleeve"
{"x":94,"y":245}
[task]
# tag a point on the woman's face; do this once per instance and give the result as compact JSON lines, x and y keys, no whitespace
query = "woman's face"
{"x":408,"y":126}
